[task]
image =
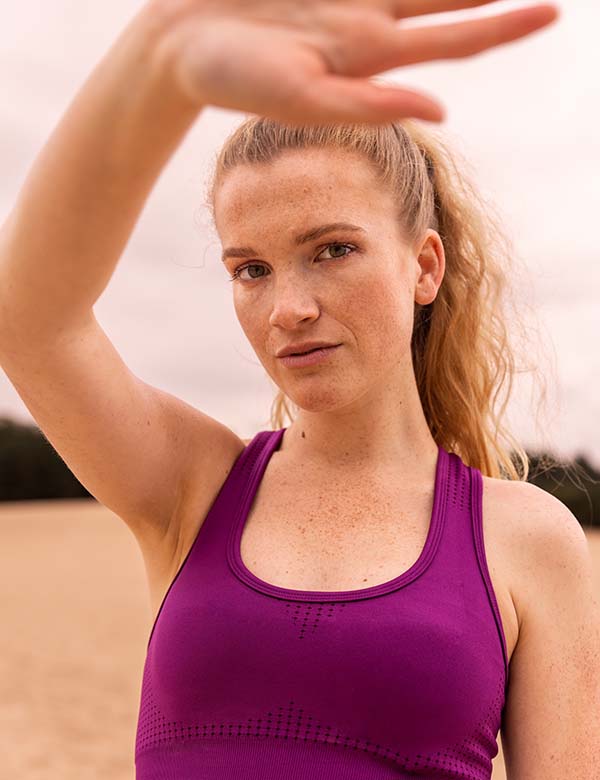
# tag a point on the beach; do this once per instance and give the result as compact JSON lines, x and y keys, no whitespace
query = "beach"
{"x":76,"y":618}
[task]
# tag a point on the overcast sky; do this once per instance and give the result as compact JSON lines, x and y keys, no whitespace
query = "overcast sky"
{"x":525,"y":115}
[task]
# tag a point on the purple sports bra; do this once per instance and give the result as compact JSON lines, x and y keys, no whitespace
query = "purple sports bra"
{"x":244,"y":680}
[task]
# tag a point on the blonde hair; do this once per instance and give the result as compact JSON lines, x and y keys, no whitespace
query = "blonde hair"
{"x":460,"y":347}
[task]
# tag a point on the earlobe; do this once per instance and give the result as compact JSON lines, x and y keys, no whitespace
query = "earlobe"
{"x":426,"y":292}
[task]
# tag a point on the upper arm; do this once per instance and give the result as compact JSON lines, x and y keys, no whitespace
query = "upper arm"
{"x":551,"y":722}
{"x":127,"y":442}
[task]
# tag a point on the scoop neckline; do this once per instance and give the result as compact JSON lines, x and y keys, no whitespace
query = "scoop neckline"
{"x":258,"y":466}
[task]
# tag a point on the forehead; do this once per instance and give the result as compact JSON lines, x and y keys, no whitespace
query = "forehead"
{"x":301,"y":185}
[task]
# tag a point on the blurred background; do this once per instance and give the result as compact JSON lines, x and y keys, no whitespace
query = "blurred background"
{"x":75,"y":613}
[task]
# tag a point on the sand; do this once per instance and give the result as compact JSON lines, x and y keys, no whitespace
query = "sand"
{"x":75,"y":619}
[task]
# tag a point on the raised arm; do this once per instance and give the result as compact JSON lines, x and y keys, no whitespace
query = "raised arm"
{"x":83,"y":195}
{"x":142,"y":452}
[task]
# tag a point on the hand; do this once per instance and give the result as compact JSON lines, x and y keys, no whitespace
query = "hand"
{"x":308,"y":61}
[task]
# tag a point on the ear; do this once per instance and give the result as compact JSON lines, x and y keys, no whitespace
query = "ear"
{"x":431,"y":265}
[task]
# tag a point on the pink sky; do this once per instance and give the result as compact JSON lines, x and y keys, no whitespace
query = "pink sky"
{"x":525,"y":115}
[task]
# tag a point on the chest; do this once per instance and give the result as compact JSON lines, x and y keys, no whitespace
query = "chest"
{"x":338,"y":537}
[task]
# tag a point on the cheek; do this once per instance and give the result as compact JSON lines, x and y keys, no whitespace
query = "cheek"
{"x":243,"y":314}
{"x":252,"y":322}
{"x":382,"y":313}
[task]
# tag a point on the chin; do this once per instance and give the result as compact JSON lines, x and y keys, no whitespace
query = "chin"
{"x":320,"y":399}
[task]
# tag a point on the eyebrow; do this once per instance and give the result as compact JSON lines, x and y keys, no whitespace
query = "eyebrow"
{"x":303,"y":238}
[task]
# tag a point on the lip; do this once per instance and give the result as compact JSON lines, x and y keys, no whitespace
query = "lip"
{"x":312,"y":358}
{"x":303,"y":346}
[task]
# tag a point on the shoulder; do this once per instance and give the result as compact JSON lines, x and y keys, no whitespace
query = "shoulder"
{"x":540,"y":538}
{"x":554,"y":672}
{"x":530,"y":513}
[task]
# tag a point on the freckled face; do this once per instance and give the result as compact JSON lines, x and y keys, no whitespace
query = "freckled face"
{"x":360,"y":295}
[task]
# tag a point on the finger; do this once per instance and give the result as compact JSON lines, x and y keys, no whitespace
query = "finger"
{"x":407,"y":8}
{"x":333,"y":98}
{"x":463,"y":39}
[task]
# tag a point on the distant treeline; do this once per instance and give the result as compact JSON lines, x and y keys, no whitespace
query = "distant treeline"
{"x":31,"y":469}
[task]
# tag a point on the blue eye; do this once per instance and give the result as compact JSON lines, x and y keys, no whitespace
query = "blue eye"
{"x":238,"y":271}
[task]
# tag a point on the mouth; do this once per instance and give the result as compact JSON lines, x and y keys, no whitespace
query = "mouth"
{"x":308,"y":351}
{"x":309,"y":358}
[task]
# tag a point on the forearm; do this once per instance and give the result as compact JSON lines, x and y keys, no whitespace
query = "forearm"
{"x":86,"y":189}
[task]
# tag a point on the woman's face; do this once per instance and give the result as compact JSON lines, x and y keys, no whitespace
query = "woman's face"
{"x":354,"y":287}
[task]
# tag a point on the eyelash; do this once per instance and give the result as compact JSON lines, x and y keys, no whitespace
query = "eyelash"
{"x":237,"y":272}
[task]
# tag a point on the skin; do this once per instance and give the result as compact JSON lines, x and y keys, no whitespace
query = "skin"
{"x":361,"y":408}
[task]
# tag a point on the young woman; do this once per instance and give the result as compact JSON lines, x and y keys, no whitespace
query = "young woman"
{"x":325,"y":603}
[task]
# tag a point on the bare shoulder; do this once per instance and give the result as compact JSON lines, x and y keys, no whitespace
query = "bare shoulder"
{"x":527,"y":526}
{"x":206,"y":470}
{"x":202,"y":487}
{"x":531,"y":516}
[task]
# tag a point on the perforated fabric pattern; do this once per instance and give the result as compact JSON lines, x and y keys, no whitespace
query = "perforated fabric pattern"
{"x":466,"y":759}
{"x":458,"y":486}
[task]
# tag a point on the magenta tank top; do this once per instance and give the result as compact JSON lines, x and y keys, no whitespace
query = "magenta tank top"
{"x":244,"y":680}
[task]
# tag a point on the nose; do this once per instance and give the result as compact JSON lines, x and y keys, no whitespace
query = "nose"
{"x":293,"y":303}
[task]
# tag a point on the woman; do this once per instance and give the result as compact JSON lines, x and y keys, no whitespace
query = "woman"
{"x":325,"y":605}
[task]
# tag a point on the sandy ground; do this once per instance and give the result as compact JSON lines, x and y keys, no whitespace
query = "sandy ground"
{"x":75,"y":620}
